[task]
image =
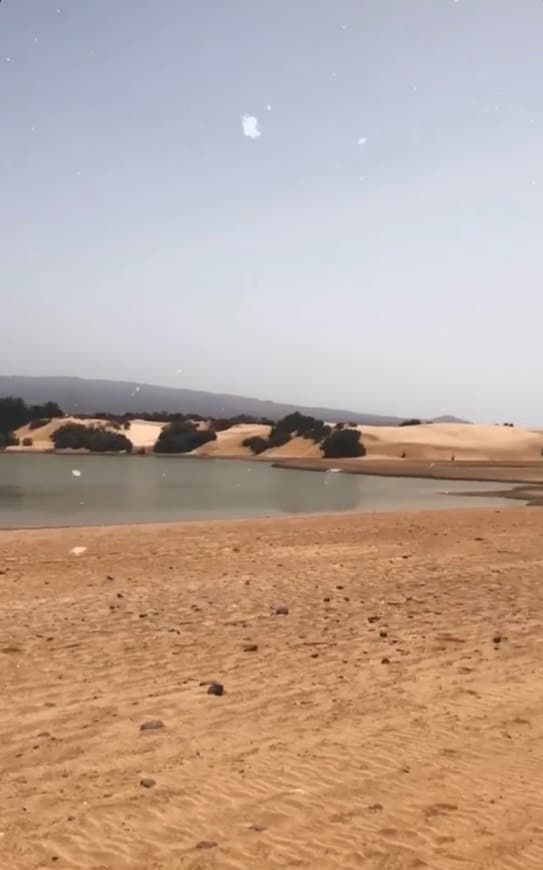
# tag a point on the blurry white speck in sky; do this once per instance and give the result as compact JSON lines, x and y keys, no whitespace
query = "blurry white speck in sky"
{"x":250,"y":127}
{"x":362,"y":140}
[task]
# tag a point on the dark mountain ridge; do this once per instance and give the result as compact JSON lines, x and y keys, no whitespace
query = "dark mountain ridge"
{"x":84,"y":396}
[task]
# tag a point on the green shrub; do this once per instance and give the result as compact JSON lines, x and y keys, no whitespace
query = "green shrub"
{"x":76,"y":436}
{"x":182,"y":437}
{"x":256,"y":444}
{"x":343,"y":443}
{"x":8,"y":439}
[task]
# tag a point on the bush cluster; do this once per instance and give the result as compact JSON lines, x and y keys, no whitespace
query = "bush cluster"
{"x":77,"y":436}
{"x":343,"y":443}
{"x":182,"y":437}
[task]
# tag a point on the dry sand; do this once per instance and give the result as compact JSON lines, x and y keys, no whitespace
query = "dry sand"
{"x":320,"y":754}
{"x":437,"y":442}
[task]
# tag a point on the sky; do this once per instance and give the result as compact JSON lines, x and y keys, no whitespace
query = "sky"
{"x":332,"y":202}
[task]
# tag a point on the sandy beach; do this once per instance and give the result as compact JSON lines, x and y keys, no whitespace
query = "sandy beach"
{"x":391,"y":719}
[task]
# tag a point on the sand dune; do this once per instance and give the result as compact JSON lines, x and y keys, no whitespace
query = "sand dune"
{"x":142,"y":433}
{"x":230,"y":442}
{"x":444,"y":440}
{"x":392,"y":719}
{"x":437,"y":441}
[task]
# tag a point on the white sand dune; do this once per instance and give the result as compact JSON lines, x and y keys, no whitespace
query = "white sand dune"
{"x":142,"y":433}
{"x":436,"y":441}
{"x":230,"y":442}
{"x":445,"y":440}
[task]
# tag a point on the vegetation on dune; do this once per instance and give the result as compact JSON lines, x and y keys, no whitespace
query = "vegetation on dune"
{"x":343,"y":443}
{"x":414,"y":421}
{"x":39,"y":423}
{"x":77,"y":436}
{"x":180,"y":434}
{"x":14,"y":413}
{"x":292,"y":425}
{"x":8,"y":439}
{"x":256,"y":443}
{"x":182,"y":437}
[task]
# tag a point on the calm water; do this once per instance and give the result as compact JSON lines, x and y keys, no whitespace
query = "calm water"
{"x":42,"y":491}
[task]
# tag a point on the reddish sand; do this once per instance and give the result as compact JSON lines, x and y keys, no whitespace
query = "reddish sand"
{"x":392,"y":719}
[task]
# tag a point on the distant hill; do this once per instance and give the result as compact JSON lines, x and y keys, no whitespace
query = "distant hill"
{"x":78,"y":395}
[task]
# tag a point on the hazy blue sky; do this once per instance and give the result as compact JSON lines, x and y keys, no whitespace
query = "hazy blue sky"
{"x":378,"y":247}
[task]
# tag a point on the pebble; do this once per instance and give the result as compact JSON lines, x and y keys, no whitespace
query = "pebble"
{"x":147,"y":782}
{"x":282,"y":610}
{"x":152,"y":725}
{"x":383,"y":633}
{"x":374,"y":618}
{"x":497,"y":638}
{"x":250,"y":647}
{"x":216,"y":689}
{"x":257,"y":828}
{"x":385,"y":661}
{"x":206,"y":844}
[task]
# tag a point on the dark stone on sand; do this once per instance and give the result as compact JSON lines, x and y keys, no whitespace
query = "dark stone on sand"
{"x":497,"y":638}
{"x":147,"y":782}
{"x":109,"y":577}
{"x":383,"y":633}
{"x":385,"y":661}
{"x":250,"y":647}
{"x":373,"y":618}
{"x":282,"y":610}
{"x":206,"y":844}
{"x":216,"y":689}
{"x":142,"y":615}
{"x":257,"y":828}
{"x":152,"y":725}
{"x":120,"y":595}
{"x":326,"y":599}
{"x":376,"y":808}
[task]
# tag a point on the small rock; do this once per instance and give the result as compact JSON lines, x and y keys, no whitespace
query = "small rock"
{"x":142,"y":615}
{"x":250,"y":647}
{"x":383,"y":633}
{"x":109,"y":577}
{"x":385,"y":661}
{"x":497,"y":638}
{"x":216,"y":689}
{"x":327,"y":599}
{"x":152,"y":725}
{"x":120,"y":595}
{"x":206,"y":844}
{"x":373,"y":618}
{"x":257,"y":828}
{"x":282,"y":610}
{"x":147,"y":782}
{"x":376,"y":808}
